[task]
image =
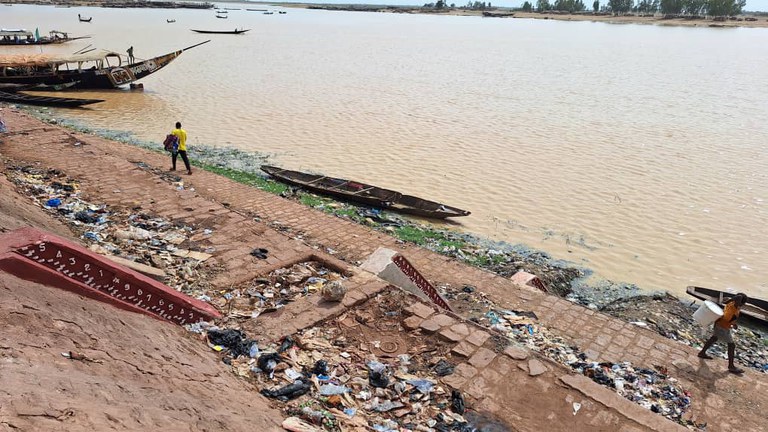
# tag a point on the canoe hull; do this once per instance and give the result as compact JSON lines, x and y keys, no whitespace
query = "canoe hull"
{"x":365,"y":194}
{"x":26,"y":99}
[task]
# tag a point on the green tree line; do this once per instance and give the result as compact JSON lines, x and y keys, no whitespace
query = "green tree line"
{"x":679,"y":7}
{"x":666,"y":7}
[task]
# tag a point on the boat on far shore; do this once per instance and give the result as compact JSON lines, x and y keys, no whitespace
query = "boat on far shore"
{"x":755,"y":308}
{"x":235,"y":31}
{"x":365,"y":194}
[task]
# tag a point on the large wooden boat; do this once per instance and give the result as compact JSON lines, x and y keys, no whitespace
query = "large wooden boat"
{"x":364,"y":193}
{"x":755,"y":308}
{"x":25,"y":37}
{"x":26,"y":99}
{"x":90,"y":70}
{"x":236,"y":31}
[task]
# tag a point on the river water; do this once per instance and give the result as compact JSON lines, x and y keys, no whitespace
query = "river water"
{"x":637,"y":151}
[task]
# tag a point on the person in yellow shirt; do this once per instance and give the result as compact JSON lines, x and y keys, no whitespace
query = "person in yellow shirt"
{"x":723,"y":327}
{"x":181,"y":134}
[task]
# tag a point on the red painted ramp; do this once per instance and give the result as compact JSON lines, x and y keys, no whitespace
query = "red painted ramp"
{"x":44,"y":258}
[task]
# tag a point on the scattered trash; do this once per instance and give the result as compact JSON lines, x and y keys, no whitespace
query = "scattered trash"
{"x":443,"y":368}
{"x":260,"y":253}
{"x":457,"y":402}
{"x":291,"y":391}
{"x":268,"y":362}
{"x":576,"y":407}
{"x":234,"y":340}
{"x":72,"y":355}
{"x":333,"y":389}
{"x":334,"y":291}
{"x":53,"y":202}
{"x":128,"y":234}
{"x":320,"y":368}
{"x":295,"y":424}
{"x":377,"y":374}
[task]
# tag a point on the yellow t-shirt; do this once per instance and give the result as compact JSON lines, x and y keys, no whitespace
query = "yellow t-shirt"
{"x":730,"y":312}
{"x":182,"y":134}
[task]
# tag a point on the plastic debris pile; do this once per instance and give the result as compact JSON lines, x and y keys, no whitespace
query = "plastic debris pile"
{"x":134,"y":236}
{"x":650,"y":388}
{"x":278,"y":288}
{"x":333,"y":378}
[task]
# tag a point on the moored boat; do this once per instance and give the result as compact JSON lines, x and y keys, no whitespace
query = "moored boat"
{"x":364,"y":193}
{"x":755,"y":308}
{"x":25,"y":37}
{"x":90,"y":70}
{"x":236,"y":31}
{"x":26,"y":99}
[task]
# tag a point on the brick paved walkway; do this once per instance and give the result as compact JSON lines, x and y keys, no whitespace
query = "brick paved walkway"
{"x":107,"y":171}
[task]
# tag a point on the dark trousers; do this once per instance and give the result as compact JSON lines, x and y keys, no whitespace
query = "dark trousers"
{"x":184,"y":157}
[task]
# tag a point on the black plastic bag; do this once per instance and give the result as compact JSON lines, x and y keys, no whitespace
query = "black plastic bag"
{"x":268,"y":361}
{"x":457,"y":402}
{"x":291,"y":391}
{"x":443,"y":368}
{"x":233,"y":340}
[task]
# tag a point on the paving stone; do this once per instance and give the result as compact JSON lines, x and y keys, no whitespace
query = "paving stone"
{"x":443,"y":320}
{"x":592,"y":354}
{"x":503,"y":365}
{"x":491,"y":376}
{"x":516,"y":353}
{"x":463,"y":349}
{"x":482,"y":358}
{"x":478,"y":337}
{"x":603,"y":339}
{"x":645,"y":342}
{"x":420,"y":310}
{"x":477,"y":388}
{"x":622,"y":341}
{"x":465,"y":370}
{"x":536,"y":367}
{"x":450,"y":336}
{"x":430,"y":326}
{"x":461,"y":329}
{"x":454,"y":381}
{"x":412,"y":322}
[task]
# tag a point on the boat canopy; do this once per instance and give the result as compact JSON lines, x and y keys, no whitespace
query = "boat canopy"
{"x":19,"y":60}
{"x":19,"y":32}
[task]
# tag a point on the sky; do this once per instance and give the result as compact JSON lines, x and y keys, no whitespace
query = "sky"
{"x":752,"y":5}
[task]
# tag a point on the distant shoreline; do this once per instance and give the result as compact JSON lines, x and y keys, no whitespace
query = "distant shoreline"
{"x":756,"y":20}
{"x":745,"y":20}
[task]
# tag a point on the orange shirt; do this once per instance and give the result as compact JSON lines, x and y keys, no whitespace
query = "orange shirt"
{"x":730,"y":312}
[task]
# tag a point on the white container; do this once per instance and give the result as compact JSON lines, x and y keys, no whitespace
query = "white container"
{"x":707,"y":313}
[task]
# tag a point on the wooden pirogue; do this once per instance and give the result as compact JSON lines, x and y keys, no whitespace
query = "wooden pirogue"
{"x":26,"y":99}
{"x":364,"y":193}
{"x":89,"y":70}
